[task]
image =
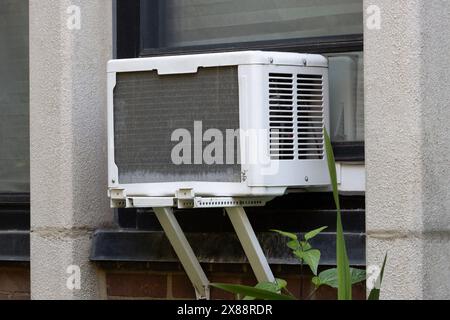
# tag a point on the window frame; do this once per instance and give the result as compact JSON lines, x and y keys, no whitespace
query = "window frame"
{"x":137,"y":24}
{"x":14,"y":203}
{"x":15,"y":215}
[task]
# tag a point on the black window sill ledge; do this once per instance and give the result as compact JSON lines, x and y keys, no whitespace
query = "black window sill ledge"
{"x":214,"y":248}
{"x":152,"y":246}
{"x":349,"y":151}
{"x":15,"y":246}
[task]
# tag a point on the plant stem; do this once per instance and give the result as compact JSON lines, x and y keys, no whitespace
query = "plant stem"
{"x":288,"y":292}
{"x":312,"y":293}
{"x":301,"y":280}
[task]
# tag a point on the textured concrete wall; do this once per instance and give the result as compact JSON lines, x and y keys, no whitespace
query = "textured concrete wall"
{"x":407,"y":105}
{"x":68,"y":142}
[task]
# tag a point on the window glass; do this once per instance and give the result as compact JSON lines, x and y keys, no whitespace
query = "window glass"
{"x":346,"y":78}
{"x":201,"y":22}
{"x":14,"y":97}
{"x":185,"y":23}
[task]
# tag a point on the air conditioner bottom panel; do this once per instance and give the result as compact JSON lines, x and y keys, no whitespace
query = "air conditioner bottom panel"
{"x":204,"y":189}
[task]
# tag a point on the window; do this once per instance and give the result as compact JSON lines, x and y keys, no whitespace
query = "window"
{"x":330,"y":27}
{"x":14,"y":98}
{"x":204,"y":22}
{"x":346,"y":74}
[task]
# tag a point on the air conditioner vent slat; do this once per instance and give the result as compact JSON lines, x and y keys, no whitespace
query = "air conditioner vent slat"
{"x":311,"y":107}
{"x":280,"y":103}
{"x":281,"y":112}
{"x":280,"y":91}
{"x":310,"y":117}
{"x":312,"y":104}
{"x":281,"y":116}
{"x":310,"y":113}
{"x":278,"y":143}
{"x":308,"y":120}
{"x":313,"y":88}
{"x":280,"y":95}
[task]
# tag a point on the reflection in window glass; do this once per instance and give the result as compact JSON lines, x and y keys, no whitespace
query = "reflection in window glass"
{"x":209,"y":22}
{"x":14,"y":98}
{"x":346,"y":78}
{"x":201,"y":22}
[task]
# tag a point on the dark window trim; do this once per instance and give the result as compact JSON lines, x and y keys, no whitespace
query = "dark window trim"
{"x":137,"y":23}
{"x":127,"y":29}
{"x":328,"y":44}
{"x":150,"y":43}
{"x":15,"y":215}
{"x":132,"y":246}
{"x":15,"y":246}
{"x":14,"y":227}
{"x":349,"y":151}
{"x":14,"y":211}
{"x":14,"y":199}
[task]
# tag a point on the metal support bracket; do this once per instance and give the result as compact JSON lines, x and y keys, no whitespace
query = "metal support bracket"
{"x":250,"y":244}
{"x":164,"y":212}
{"x":184,"y":251}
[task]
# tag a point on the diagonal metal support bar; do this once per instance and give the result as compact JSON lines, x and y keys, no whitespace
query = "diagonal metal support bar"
{"x":250,"y":244}
{"x":183,"y":250}
{"x":190,"y":263}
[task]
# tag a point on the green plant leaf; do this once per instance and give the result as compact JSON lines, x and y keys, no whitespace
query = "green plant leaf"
{"x":299,"y":255}
{"x":314,"y":233}
{"x":357,"y":275}
{"x":330,"y":277}
{"x":312,"y":258}
{"x":305,"y":245}
{"x":375,"y":292}
{"x":343,"y":267}
{"x":276,"y":287}
{"x":286,"y":234}
{"x":281,"y":283}
{"x":332,"y":168}
{"x":316,"y":281}
{"x":293,"y":244}
{"x":327,"y":277}
{"x":257,"y":293}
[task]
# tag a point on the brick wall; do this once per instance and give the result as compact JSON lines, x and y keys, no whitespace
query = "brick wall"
{"x":14,"y":282}
{"x":169,"y":281}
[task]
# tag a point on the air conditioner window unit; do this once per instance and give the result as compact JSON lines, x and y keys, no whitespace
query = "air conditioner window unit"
{"x":237,"y":124}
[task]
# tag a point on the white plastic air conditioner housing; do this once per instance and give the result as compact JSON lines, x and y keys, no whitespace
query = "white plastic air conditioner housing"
{"x":281,"y":96}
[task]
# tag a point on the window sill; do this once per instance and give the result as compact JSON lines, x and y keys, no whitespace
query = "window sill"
{"x":153,"y":246}
{"x":15,"y":246}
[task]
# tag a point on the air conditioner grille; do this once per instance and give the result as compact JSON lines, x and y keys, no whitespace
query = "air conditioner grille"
{"x":310,"y":117}
{"x":148,"y":108}
{"x":281,"y":116}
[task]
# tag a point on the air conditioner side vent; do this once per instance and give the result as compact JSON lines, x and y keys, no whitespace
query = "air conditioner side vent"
{"x":281,"y":116}
{"x":310,"y":116}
